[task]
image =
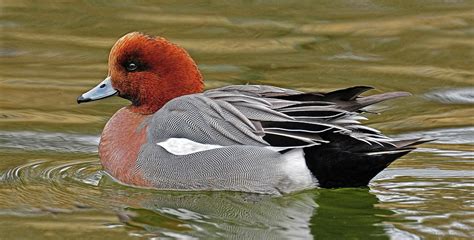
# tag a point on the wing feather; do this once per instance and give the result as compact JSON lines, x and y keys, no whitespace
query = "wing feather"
{"x":272,"y":116}
{"x":305,"y":116}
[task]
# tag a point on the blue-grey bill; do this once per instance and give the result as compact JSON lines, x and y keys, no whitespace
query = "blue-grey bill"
{"x":103,"y":90}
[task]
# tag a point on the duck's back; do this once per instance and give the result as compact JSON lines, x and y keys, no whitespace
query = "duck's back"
{"x":265,"y":139}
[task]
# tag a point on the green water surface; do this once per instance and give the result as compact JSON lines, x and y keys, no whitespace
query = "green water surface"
{"x":51,"y":182}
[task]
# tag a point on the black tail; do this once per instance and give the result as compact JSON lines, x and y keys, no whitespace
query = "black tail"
{"x":346,"y":162}
{"x":337,"y":166}
{"x":343,"y":159}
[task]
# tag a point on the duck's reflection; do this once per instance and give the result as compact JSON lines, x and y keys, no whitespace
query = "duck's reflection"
{"x":349,"y":214}
{"x":323,"y":214}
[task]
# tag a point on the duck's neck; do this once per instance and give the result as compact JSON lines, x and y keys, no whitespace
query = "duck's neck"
{"x":120,"y":144}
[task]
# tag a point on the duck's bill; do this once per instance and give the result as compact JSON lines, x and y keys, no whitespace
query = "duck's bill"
{"x":101,"y":91}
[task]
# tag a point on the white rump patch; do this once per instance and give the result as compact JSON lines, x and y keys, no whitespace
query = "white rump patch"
{"x":184,"y":146}
{"x":296,"y":169}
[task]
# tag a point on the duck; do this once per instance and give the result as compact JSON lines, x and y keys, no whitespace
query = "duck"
{"x":241,"y":138}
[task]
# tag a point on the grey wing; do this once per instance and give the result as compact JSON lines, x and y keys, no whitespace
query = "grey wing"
{"x":235,"y":155}
{"x":233,"y":168}
{"x":289,"y":118}
{"x":249,"y":133}
{"x":205,"y":120}
{"x":255,"y":116}
{"x":345,"y":152}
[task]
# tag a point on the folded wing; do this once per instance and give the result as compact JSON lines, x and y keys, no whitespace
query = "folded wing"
{"x":338,"y":150}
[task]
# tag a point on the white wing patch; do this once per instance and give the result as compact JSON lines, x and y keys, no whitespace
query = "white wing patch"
{"x":184,"y":146}
{"x":293,"y":163}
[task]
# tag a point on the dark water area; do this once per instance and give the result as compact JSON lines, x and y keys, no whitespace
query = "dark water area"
{"x":52,"y":185}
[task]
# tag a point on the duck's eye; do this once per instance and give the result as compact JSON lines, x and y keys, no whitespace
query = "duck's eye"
{"x":131,"y":66}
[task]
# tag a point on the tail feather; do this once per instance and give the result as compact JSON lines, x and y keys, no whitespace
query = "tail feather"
{"x":410,"y":142}
{"x":347,"y":154}
{"x":334,"y":168}
{"x":336,"y":165}
{"x":347,"y":94}
{"x":373,"y":99}
{"x":349,"y":99}
{"x":390,"y":152}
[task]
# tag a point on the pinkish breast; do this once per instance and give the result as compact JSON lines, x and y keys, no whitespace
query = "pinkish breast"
{"x":120,"y":143}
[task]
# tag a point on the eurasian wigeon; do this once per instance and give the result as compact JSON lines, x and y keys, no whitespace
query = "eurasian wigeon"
{"x":249,"y":138}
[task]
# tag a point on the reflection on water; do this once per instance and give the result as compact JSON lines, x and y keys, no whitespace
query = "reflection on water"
{"x":459,"y":95}
{"x":435,"y":205}
{"x":206,"y":214}
{"x":59,"y":142}
{"x":51,"y":182}
{"x":349,"y":214}
{"x":238,"y":216}
{"x":463,"y":135}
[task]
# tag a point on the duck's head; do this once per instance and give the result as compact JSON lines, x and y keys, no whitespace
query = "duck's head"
{"x":149,"y":71}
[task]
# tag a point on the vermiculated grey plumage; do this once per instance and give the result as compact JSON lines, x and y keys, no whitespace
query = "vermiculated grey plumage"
{"x":247,"y":120}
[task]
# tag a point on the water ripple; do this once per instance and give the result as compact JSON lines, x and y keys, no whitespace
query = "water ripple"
{"x":58,"y":142}
{"x":71,"y":171}
{"x":430,"y":200}
{"x":453,"y":96}
{"x":50,"y":187}
{"x":463,"y":135}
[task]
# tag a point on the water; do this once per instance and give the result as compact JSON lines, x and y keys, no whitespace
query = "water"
{"x":51,"y":182}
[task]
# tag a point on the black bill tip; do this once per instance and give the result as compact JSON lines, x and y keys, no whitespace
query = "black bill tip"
{"x":81,"y":99}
